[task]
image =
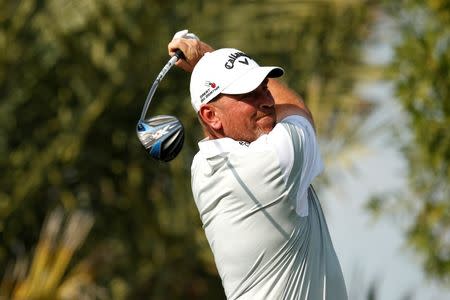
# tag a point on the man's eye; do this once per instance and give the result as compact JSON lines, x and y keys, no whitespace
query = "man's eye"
{"x":245,"y":96}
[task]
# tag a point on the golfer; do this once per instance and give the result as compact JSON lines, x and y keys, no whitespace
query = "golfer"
{"x":251,"y":179}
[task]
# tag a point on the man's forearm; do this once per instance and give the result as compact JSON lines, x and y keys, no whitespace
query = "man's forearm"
{"x":288,"y":102}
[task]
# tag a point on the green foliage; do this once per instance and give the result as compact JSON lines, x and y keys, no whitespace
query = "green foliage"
{"x":73,"y":79}
{"x":420,"y":71}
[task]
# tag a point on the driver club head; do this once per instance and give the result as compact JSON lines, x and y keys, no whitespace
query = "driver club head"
{"x":162,"y":136}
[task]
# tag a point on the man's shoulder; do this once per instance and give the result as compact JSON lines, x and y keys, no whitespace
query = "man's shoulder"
{"x":214,"y":151}
{"x":298,"y":121}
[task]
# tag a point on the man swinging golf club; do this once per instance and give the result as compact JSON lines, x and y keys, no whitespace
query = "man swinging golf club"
{"x":251,"y":179}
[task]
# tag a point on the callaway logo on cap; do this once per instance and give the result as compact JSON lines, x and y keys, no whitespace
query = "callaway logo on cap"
{"x":226,"y":71}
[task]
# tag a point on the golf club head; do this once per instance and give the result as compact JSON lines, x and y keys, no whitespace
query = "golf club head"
{"x":162,"y":136}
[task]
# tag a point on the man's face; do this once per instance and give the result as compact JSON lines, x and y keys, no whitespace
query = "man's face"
{"x":246,"y":117}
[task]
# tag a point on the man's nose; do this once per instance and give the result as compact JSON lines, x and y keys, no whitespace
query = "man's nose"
{"x":266,"y":100}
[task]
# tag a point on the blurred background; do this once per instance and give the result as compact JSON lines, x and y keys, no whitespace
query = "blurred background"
{"x":85,"y":213}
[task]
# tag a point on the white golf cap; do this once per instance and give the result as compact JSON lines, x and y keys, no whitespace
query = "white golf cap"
{"x":226,"y":71}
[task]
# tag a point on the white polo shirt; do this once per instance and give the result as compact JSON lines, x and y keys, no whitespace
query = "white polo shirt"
{"x":262,"y":218}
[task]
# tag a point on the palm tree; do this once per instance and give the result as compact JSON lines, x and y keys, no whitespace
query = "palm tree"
{"x":50,"y":274}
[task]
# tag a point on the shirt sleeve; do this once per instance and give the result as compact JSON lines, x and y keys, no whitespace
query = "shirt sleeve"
{"x":298,"y":151}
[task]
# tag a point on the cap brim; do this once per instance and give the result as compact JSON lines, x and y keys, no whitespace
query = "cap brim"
{"x":252,"y":79}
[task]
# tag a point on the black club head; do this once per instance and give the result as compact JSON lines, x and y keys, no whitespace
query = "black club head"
{"x":162,"y":136}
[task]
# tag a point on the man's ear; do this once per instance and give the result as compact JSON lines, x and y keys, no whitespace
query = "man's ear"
{"x":209,"y":115}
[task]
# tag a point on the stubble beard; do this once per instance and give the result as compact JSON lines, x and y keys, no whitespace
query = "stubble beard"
{"x":262,"y":130}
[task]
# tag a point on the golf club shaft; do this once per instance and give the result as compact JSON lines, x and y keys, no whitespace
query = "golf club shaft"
{"x":165,"y":69}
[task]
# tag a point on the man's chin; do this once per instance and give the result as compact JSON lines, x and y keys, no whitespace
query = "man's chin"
{"x":265,"y":129}
{"x":267,"y":123}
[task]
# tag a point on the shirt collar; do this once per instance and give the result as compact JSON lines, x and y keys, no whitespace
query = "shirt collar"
{"x":210,"y":148}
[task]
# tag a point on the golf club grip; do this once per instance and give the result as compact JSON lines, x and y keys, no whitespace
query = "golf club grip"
{"x":179,"y":54}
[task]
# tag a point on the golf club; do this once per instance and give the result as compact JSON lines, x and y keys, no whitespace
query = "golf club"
{"x":162,"y":136}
